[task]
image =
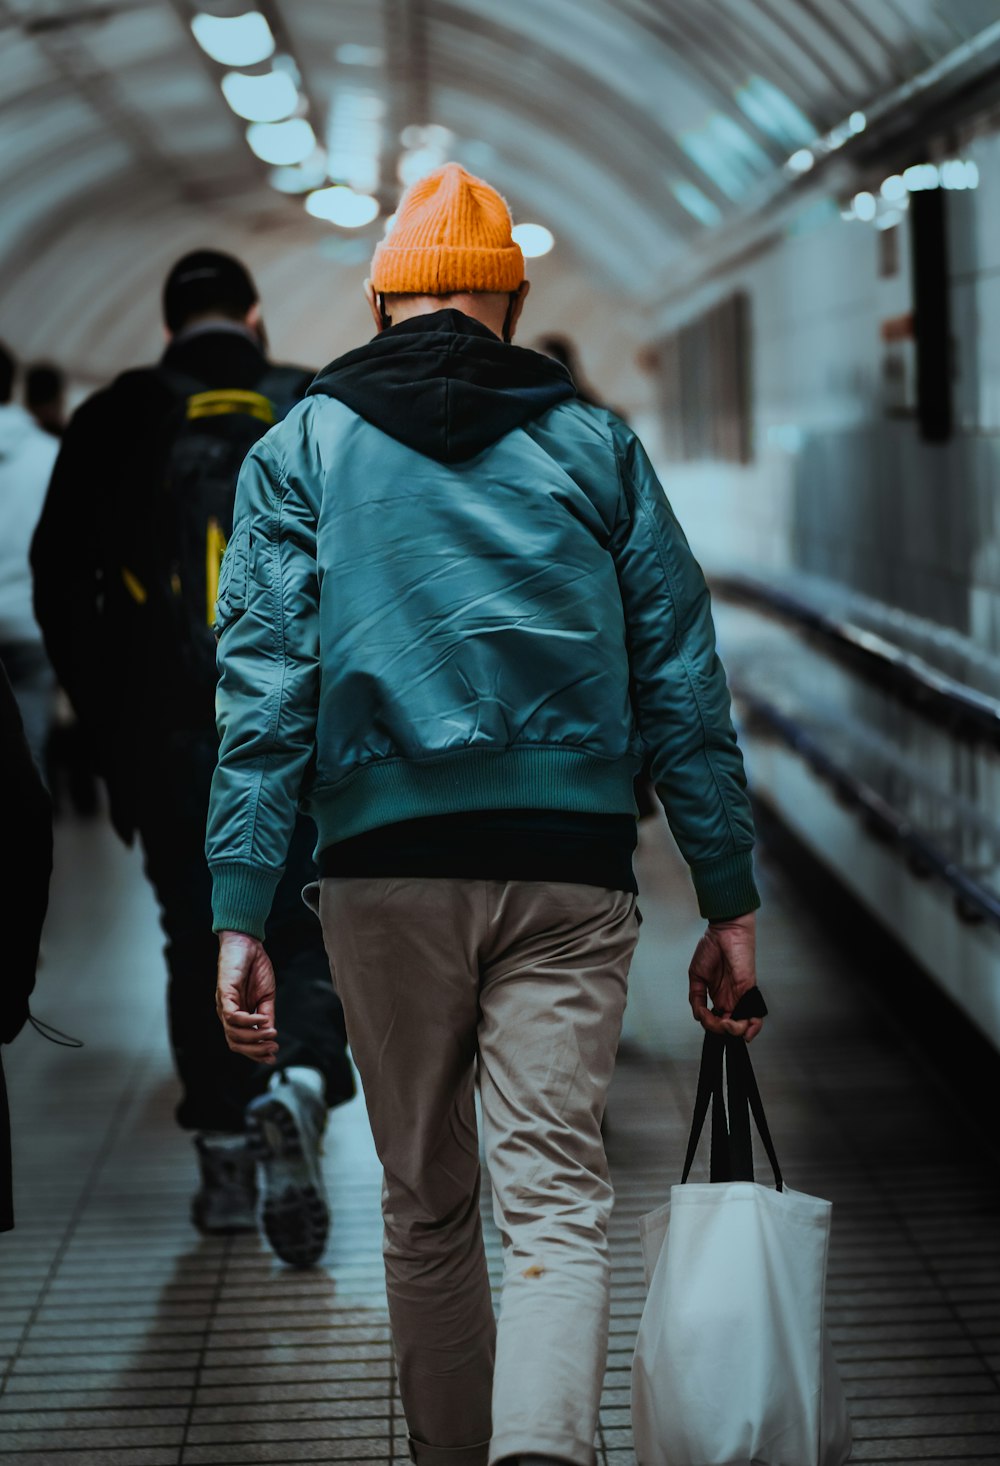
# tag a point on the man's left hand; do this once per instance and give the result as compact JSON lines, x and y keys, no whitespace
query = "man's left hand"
{"x":244,"y":997}
{"x":724,"y":968}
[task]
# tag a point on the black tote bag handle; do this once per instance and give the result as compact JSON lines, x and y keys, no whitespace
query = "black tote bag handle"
{"x":726,"y":1072}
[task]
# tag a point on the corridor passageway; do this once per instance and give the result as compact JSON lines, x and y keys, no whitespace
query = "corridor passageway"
{"x":747,"y":251}
{"x":130,"y":1341}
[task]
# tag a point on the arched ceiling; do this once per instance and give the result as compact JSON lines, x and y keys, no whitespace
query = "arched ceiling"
{"x":633,"y":129}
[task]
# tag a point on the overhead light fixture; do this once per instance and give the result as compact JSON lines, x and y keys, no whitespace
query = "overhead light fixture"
{"x":857,"y":122}
{"x":301,"y":177}
{"x":269,"y":98}
{"x":864,"y":206}
{"x":426,"y":147}
{"x":416,"y":165}
{"x":921,"y":177}
{"x":957,"y":174}
{"x":354,"y":137}
{"x":893,"y":188}
{"x":698,"y":205}
{"x":282,"y":142}
{"x":801,"y":161}
{"x":534,"y":239}
{"x":234,"y":40}
{"x":342,"y":206}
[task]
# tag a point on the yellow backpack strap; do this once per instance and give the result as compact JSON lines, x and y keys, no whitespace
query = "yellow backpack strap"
{"x":134,"y":586}
{"x":230,"y":400}
{"x":215,"y":548}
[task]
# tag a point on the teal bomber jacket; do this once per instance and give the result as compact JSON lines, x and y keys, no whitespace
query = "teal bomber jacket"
{"x":453,"y":586}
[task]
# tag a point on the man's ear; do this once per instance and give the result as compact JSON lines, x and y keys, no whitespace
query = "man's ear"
{"x":522,"y":295}
{"x":252,"y":316}
{"x":372,"y":300}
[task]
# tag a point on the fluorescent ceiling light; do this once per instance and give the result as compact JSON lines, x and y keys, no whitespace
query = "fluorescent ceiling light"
{"x":775,"y":114}
{"x":267,"y":98}
{"x":236,"y":40}
{"x":957,"y":174}
{"x":893,"y":188}
{"x":534,"y":239}
{"x":311,"y":173}
{"x":416,"y":165}
{"x":801,"y":161}
{"x":354,"y":138}
{"x":698,"y":206}
{"x":921,"y":176}
{"x":865,"y":206}
{"x":342,"y":206}
{"x":281,"y":142}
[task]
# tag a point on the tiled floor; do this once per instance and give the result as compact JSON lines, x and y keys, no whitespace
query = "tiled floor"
{"x":129,"y":1341}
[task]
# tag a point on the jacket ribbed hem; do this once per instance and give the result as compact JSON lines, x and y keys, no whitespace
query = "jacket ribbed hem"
{"x":394,"y":789}
{"x":725,"y":887}
{"x":242,"y":897}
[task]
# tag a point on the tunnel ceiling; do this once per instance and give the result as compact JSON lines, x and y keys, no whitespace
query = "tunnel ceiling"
{"x":631,"y":128}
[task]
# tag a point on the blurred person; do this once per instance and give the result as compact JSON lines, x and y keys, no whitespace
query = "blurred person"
{"x":45,"y":396}
{"x":26,"y":459}
{"x":455,"y":612}
{"x":125,"y":561}
{"x":561,"y":349}
{"x":24,"y":898}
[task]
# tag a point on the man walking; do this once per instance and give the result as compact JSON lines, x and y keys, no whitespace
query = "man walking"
{"x":457,"y":609}
{"x":125,"y":559}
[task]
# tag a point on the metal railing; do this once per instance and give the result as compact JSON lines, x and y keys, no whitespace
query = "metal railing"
{"x":966,"y":713}
{"x":961,"y":710}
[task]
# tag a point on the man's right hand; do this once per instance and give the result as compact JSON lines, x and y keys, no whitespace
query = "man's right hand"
{"x":244,"y":997}
{"x":723,"y":968}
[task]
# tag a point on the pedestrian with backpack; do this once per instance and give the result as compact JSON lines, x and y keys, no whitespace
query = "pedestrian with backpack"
{"x":457,"y":611}
{"x":126,"y":566}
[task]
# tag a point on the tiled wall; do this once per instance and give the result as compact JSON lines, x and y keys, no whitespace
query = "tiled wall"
{"x":842,"y":488}
{"x":838,"y":486}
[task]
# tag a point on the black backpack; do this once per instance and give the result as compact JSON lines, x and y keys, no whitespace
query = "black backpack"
{"x":205,"y":440}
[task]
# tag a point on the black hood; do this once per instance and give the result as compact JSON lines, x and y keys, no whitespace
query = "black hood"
{"x":445,"y":385}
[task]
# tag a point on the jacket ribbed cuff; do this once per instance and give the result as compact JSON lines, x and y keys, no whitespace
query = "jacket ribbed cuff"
{"x":242,"y":897}
{"x":725,"y":887}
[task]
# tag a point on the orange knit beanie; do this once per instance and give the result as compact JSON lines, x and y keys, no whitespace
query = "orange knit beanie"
{"x":451,"y":234}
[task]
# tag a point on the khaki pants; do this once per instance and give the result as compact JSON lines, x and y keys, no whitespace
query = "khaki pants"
{"x":531,"y":978}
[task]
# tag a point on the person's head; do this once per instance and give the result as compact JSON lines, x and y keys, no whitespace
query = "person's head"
{"x":209,"y":286}
{"x":44,"y":395}
{"x":562,"y":350}
{"x":450,"y":246}
{"x":44,"y":386}
{"x":8,"y":371}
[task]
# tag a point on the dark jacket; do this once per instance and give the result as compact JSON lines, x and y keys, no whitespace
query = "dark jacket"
{"x":452,"y":587}
{"x":100,"y":505}
{"x":24,"y":897}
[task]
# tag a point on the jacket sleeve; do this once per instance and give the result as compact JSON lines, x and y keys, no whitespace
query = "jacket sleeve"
{"x":268,"y":624}
{"x":680,"y":694}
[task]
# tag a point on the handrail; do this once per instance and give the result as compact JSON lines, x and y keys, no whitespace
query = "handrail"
{"x":964,"y":711}
{"x":973,"y":901}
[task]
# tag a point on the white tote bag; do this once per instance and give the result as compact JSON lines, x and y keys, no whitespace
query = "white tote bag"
{"x":732,"y":1362}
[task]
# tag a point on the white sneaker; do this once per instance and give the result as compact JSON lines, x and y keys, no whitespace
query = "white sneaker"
{"x":284,"y":1135}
